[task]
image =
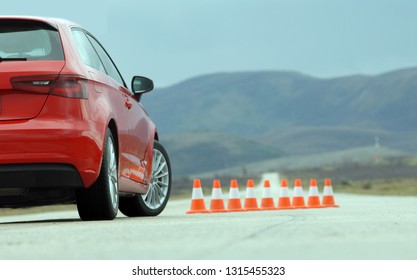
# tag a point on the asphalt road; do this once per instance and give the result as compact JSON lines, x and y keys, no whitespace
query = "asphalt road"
{"x":364,"y":227}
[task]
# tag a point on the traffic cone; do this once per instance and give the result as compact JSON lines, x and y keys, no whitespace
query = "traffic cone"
{"x":234,"y":204}
{"x":313,"y":196}
{"x":197,"y":199}
{"x":250,"y":200}
{"x":267,"y":202}
{"x":217,"y":202}
{"x":298,"y":196}
{"x":328,"y":198}
{"x":284,"y":201}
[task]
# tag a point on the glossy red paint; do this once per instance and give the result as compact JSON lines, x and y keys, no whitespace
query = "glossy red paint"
{"x":58,"y":111}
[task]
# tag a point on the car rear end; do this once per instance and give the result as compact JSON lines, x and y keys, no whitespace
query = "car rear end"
{"x":48,"y":144}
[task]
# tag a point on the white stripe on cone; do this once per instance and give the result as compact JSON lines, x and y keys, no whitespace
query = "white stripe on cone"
{"x":217,"y":194}
{"x":266,"y":193}
{"x":234,"y":193}
{"x":250,"y":193}
{"x":298,"y":191}
{"x":328,"y":191}
{"x":283,"y":192}
{"x":197,"y":193}
{"x":314,"y":191}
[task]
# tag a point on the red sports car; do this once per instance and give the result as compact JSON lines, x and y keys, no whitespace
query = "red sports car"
{"x":70,"y":129}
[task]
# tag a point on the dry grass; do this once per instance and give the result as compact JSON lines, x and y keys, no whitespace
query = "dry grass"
{"x":402,"y":187}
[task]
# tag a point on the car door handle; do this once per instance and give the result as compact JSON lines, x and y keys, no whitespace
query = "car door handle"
{"x":128,"y":104}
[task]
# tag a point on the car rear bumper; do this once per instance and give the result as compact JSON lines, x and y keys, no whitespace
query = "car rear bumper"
{"x":41,"y":175}
{"x":38,"y":184}
{"x":66,"y":153}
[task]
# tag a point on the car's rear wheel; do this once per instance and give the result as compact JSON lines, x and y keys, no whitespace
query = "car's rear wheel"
{"x":101,"y":200}
{"x":154,"y":201}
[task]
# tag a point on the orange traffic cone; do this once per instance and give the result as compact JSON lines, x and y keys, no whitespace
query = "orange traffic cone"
{"x":298,"y":196}
{"x":234,"y":204}
{"x":250,"y":199}
{"x":197,"y":199}
{"x":284,"y":201}
{"x":328,"y":198}
{"x":313,"y":196}
{"x":217,"y":202}
{"x":267,"y":202}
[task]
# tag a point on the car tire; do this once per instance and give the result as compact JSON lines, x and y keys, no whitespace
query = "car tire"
{"x":101,"y":200}
{"x":154,"y":201}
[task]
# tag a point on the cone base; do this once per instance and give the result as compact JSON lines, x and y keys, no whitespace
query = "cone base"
{"x":217,"y":205}
{"x":313,"y":202}
{"x":251,"y":209}
{"x":331,"y":206}
{"x":218,"y":211}
{"x":298,"y":202}
{"x":268,"y":208}
{"x":300,"y":207}
{"x":251,"y":204}
{"x":284,"y":202}
{"x":236,"y":210}
{"x":267,"y":203}
{"x":197,"y":212}
{"x":328,"y":201}
{"x":315,"y":206}
{"x":234,"y":205}
{"x":285,"y":208}
{"x":197,"y":206}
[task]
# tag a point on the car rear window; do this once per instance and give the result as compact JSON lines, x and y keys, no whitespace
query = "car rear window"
{"x":32,"y":40}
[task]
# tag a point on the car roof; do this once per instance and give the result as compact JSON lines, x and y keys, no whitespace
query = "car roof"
{"x":51,"y":21}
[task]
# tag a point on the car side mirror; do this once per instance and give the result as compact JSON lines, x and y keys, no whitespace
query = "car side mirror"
{"x":141,"y":85}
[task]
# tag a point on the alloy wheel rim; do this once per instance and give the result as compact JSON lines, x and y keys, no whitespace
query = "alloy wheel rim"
{"x":158,"y":187}
{"x":112,"y":174}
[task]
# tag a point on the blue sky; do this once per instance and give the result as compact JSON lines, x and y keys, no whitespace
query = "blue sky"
{"x":173,"y":40}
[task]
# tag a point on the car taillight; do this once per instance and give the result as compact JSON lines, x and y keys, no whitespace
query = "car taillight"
{"x":70,"y":86}
{"x":37,"y":84}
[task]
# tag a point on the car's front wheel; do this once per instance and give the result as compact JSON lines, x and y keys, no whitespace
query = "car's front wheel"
{"x":154,"y":201}
{"x":101,"y":200}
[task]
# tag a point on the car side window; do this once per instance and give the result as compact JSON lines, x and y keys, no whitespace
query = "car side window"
{"x":107,"y":61}
{"x":87,"y":52}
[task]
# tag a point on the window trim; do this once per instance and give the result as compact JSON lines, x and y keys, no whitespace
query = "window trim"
{"x":73,"y":31}
{"x":88,"y":35}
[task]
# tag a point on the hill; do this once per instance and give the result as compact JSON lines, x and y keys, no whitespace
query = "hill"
{"x":292,"y":112}
{"x":248,"y":103}
{"x":209,"y":151}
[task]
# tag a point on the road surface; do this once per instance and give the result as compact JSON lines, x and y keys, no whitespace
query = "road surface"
{"x":364,"y":227}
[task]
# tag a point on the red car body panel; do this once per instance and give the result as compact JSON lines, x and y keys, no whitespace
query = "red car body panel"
{"x":41,"y":128}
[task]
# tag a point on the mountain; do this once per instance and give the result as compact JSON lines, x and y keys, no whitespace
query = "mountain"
{"x":293,"y":112}
{"x":208,"y":151}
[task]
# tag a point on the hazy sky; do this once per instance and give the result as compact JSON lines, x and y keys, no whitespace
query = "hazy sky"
{"x":173,"y":40}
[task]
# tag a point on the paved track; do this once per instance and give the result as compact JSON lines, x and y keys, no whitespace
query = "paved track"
{"x":365,"y":227}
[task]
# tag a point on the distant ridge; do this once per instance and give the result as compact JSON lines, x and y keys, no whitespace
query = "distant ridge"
{"x":293,"y":112}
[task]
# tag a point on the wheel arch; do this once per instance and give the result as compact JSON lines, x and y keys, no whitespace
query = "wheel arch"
{"x":113,"y":129}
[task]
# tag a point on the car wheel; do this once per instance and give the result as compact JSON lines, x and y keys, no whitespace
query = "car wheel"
{"x":154,"y":201}
{"x":101,"y":200}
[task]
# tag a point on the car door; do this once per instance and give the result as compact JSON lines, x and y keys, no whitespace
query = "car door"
{"x":106,"y":93}
{"x":137,"y":121}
